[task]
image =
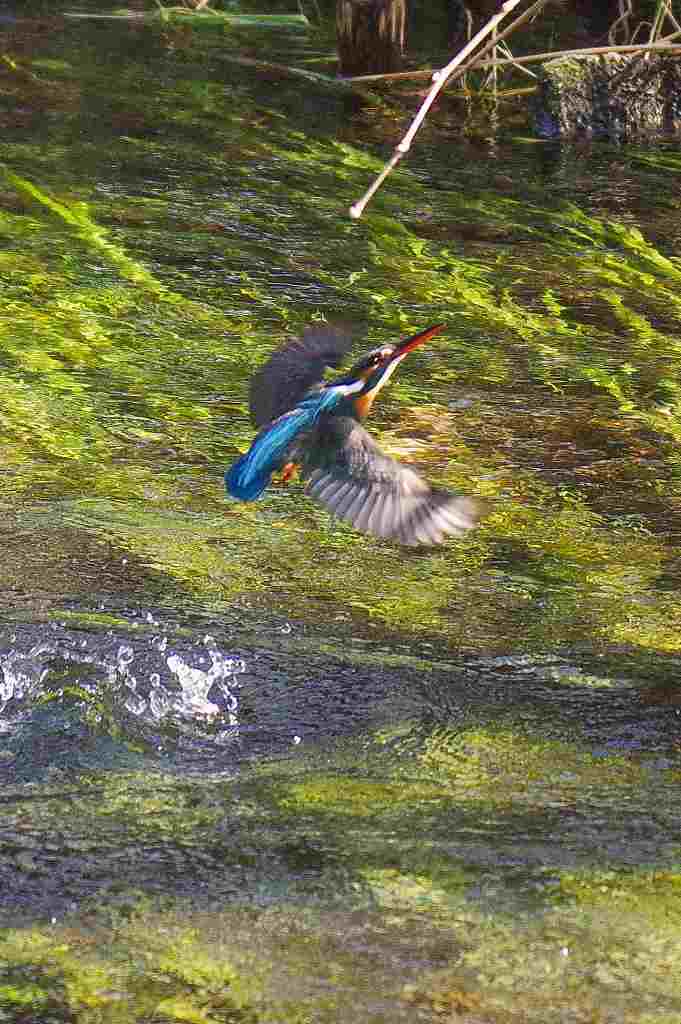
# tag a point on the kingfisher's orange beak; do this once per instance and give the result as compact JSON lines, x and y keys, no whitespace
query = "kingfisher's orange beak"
{"x":377,"y":376}
{"x":408,"y":344}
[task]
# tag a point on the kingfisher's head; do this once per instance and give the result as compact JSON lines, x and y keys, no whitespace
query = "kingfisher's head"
{"x":376,"y":368}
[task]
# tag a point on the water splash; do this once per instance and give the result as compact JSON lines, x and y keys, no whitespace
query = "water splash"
{"x":123,"y":679}
{"x":197,"y":683}
{"x":20,"y":675}
{"x":124,"y":656}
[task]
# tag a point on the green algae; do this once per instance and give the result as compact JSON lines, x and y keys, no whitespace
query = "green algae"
{"x":196,"y":18}
{"x":382,"y":857}
{"x":492,"y":860}
{"x":552,"y":972}
{"x":63,"y":432}
{"x":195,"y":970}
{"x":505,"y":762}
{"x":76,"y":216}
{"x":173,"y":979}
{"x":579,"y":578}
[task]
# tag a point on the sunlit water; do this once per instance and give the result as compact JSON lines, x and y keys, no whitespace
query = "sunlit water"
{"x":252,"y":706}
{"x":228,"y":703}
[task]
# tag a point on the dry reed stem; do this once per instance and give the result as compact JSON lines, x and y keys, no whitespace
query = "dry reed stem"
{"x":534,"y":58}
{"x":664,"y":11}
{"x":626,"y":11}
{"x":342,"y":86}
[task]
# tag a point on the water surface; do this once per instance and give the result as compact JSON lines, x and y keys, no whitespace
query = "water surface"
{"x":233,"y":728}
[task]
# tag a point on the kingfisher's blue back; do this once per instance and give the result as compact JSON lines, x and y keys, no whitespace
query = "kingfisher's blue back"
{"x":251,"y":474}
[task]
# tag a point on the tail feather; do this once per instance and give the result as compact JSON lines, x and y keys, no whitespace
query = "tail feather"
{"x":245,"y":483}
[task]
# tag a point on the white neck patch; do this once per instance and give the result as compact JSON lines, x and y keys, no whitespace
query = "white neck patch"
{"x":350,"y":389}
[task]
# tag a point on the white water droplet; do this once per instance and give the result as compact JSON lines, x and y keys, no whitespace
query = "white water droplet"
{"x":196,"y":683}
{"x":135,"y":704}
{"x":159,"y":702}
{"x":6,"y":686}
{"x":124,"y":656}
{"x":21,"y":674}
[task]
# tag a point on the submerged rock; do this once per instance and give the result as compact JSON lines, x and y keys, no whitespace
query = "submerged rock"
{"x":609,"y":96}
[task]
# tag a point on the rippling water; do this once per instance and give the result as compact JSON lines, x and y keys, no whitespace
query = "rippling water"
{"x":422,"y":784}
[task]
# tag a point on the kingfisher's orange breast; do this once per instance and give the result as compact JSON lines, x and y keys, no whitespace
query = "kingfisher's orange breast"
{"x":363,"y":405}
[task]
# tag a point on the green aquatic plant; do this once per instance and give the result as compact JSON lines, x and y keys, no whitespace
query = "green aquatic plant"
{"x":125,"y":376}
{"x":476,"y":828}
{"x":77,"y":217}
{"x":200,"y":15}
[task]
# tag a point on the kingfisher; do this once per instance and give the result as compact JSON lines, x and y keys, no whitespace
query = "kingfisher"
{"x":315,"y":426}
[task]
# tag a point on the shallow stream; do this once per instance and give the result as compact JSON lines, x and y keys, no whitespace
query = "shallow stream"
{"x":253,"y":765}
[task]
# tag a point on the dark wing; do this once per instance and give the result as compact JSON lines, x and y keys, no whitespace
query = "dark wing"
{"x":293,"y":370}
{"x":348,"y":473}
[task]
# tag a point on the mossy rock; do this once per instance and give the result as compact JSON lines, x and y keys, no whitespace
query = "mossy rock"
{"x":609,"y":96}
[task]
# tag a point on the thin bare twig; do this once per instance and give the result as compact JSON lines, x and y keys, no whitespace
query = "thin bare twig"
{"x":317,"y":10}
{"x":469,"y":36}
{"x":656,"y":26}
{"x":458,"y":67}
{"x":593,"y":51}
{"x":495,"y":68}
{"x":664,"y":11}
{"x":455,"y":68}
{"x":505,"y":49}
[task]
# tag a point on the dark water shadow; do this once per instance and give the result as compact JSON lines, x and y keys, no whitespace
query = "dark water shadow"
{"x":170,"y":764}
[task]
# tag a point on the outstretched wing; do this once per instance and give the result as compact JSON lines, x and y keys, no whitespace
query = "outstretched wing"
{"x":293,"y":370}
{"x":351,"y":477}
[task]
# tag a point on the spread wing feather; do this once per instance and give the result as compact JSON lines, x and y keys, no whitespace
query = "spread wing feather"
{"x":351,"y":477}
{"x":292,"y":371}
